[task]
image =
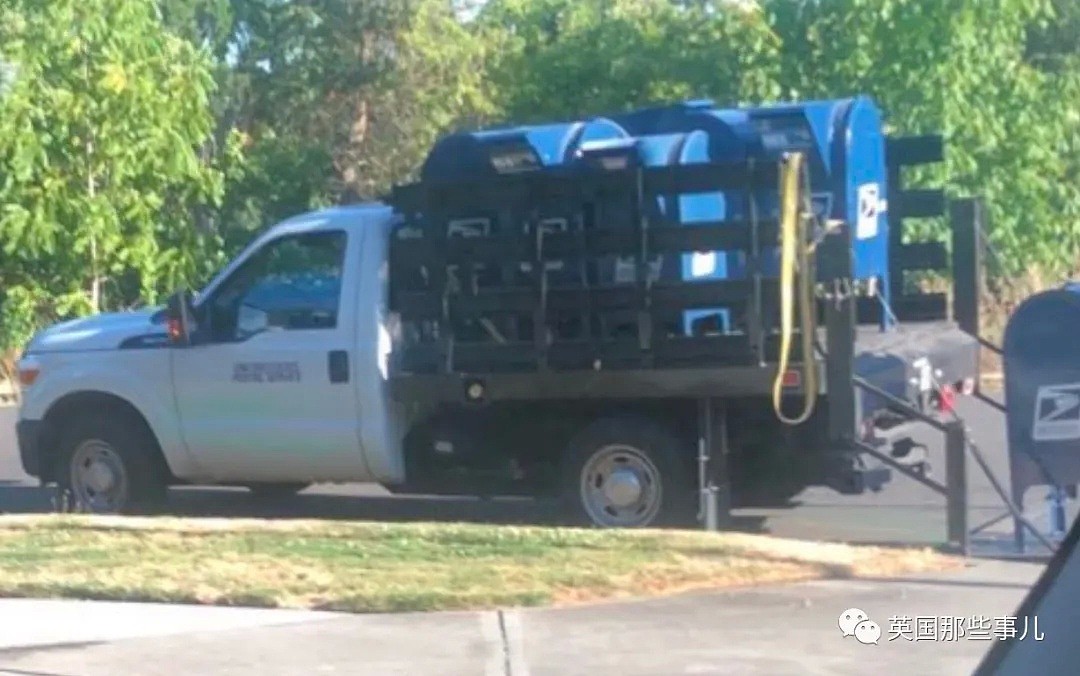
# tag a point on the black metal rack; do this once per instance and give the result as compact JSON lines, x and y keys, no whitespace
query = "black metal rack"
{"x":908,"y":203}
{"x":549,"y":333}
{"x":607,"y":215}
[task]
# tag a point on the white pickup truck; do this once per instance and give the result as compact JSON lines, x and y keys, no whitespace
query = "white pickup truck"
{"x":281,"y":385}
{"x":474,"y":336}
{"x":279,"y":380}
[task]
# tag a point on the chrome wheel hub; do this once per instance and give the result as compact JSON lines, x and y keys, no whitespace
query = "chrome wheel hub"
{"x":98,"y":477}
{"x":620,"y":487}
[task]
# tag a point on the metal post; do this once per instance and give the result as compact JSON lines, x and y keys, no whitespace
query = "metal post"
{"x":966,"y":216}
{"x":1018,"y":533}
{"x":540,"y":277}
{"x":712,"y":509}
{"x":644,"y":271}
{"x":721,"y":480}
{"x":835,"y":259}
{"x":1056,"y":507}
{"x":435,"y":230}
{"x":755,"y":317}
{"x":956,"y":485}
{"x":896,"y":234}
{"x":706,"y":497}
{"x":713,"y":483}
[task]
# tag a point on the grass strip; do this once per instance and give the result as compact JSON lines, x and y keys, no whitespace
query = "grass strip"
{"x":383,"y":567}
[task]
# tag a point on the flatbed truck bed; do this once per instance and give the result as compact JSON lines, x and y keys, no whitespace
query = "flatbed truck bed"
{"x":877,"y":362}
{"x":887,"y":359}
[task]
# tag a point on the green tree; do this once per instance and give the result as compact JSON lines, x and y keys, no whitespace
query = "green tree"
{"x":330,"y":99}
{"x":101,"y":140}
{"x":362,"y":81}
{"x":998,"y":78}
{"x":957,"y":67}
{"x":1054,"y":42}
{"x":208,"y":24}
{"x":573,"y":58}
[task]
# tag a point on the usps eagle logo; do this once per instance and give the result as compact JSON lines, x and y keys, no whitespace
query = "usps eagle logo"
{"x":1057,"y":413}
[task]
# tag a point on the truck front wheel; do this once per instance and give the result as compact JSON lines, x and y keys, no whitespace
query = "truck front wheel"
{"x":107,"y":467}
{"x":627,"y":473}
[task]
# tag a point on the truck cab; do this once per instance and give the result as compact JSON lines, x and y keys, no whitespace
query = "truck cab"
{"x":280,"y":382}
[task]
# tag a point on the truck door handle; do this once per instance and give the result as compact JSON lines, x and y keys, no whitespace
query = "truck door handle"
{"x":338,"y":364}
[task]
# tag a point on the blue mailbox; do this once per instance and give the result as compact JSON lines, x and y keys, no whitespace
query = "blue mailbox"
{"x":661,"y":150}
{"x":842,"y":139}
{"x":845,"y":145}
{"x":1042,"y":391}
{"x":509,"y":149}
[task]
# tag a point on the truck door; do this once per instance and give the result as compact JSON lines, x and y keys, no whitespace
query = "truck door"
{"x":264,"y":393}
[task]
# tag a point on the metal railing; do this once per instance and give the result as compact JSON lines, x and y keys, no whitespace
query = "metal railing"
{"x":609,"y":214}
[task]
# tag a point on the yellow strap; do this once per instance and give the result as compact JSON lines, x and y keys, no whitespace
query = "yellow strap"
{"x":795,"y":269}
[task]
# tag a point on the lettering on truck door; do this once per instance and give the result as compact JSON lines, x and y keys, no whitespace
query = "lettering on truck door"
{"x":265,"y":392}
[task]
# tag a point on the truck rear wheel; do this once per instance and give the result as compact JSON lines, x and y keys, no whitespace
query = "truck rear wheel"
{"x":626,"y":473}
{"x":107,"y":466}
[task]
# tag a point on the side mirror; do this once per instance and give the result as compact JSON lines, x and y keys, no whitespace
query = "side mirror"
{"x":179,"y":313}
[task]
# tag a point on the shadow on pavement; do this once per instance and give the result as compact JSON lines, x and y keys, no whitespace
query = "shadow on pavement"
{"x":23,"y":499}
{"x":949,"y":583}
{"x":506,"y":511}
{"x":196,"y":502}
{"x":222,"y":503}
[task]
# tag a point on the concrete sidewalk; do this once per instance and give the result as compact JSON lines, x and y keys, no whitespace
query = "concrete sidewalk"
{"x":34,"y":623}
{"x":790,"y":629}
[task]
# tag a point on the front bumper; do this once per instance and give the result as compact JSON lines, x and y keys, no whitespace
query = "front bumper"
{"x":28,"y":434}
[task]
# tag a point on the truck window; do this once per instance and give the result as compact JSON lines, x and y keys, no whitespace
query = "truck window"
{"x":292,"y":283}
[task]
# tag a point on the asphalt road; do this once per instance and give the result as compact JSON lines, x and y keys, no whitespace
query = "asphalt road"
{"x":904,"y":512}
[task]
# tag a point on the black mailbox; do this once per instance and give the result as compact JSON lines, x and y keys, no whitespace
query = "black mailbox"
{"x":1042,"y":391}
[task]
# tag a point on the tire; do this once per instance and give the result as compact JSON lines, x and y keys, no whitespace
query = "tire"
{"x":655,"y":488}
{"x":108,"y":464}
{"x":275,"y":491}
